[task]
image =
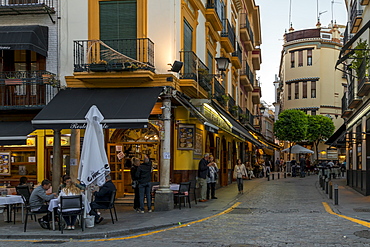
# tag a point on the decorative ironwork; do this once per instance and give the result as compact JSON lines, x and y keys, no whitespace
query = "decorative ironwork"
{"x":16,"y":7}
{"x":217,"y":5}
{"x":228,"y":31}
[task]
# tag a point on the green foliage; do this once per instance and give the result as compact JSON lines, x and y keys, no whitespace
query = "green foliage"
{"x":291,"y":126}
{"x":319,"y":128}
{"x":361,"y":52}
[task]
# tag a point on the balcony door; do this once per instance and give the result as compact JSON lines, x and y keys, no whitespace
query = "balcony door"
{"x":118,"y":26}
{"x":21,"y":60}
{"x":189,"y":63}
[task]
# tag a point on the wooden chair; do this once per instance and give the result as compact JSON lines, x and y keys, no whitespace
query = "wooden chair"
{"x":24,"y":191}
{"x":184,"y":192}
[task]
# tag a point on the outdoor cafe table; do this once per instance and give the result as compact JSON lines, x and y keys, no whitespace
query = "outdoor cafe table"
{"x":54,"y":203}
{"x":173,"y":187}
{"x":11,"y":200}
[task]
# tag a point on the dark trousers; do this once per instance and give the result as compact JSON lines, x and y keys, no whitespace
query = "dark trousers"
{"x":239,"y":181}
{"x":70,"y":220}
{"x":45,"y":209}
{"x":95,"y":206}
{"x":211,"y":187}
{"x":144,"y":190}
{"x":137,"y":198}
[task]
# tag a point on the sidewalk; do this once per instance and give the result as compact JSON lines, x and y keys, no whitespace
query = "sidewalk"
{"x":351,"y":203}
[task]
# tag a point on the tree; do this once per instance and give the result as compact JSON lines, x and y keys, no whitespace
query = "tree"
{"x":291,"y":126}
{"x":319,"y":129}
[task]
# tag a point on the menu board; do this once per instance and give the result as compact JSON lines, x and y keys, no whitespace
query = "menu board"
{"x":5,"y":163}
{"x":186,"y":137}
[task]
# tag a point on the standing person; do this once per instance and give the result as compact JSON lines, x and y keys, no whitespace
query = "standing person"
{"x":135,"y":183}
{"x":70,"y":190}
{"x":211,"y":178}
{"x":293,"y":164}
{"x":37,"y":202}
{"x":268,"y":167}
{"x":277,"y":164}
{"x":302,"y":164}
{"x":144,"y":175}
{"x":240,"y":172}
{"x":102,"y":198}
{"x":202,"y":177}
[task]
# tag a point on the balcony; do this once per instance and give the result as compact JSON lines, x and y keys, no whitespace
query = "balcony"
{"x":195,"y":80}
{"x":256,"y":59}
{"x":227,"y":36}
{"x":245,"y":117}
{"x":356,"y":17}
{"x":232,"y":107}
{"x":29,"y":90}
{"x":120,"y":60}
{"x":22,"y":7}
{"x":214,"y":13}
{"x":345,"y":111}
{"x":256,"y":94}
{"x":247,"y":77}
{"x":365,"y":2}
{"x":353,"y":100}
{"x":246,"y":33}
{"x":363,"y":79}
{"x":236,"y":58}
{"x":219,"y":93}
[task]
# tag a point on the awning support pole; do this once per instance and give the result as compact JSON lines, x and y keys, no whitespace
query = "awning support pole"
{"x":164,"y":196}
{"x":57,"y":161}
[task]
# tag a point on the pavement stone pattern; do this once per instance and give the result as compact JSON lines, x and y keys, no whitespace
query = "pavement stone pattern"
{"x":280,"y":212}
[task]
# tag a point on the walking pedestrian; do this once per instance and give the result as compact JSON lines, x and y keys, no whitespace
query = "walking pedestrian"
{"x":135,"y":183}
{"x":277,"y":164}
{"x":240,"y":172}
{"x":144,"y":175}
{"x":202,"y":177}
{"x":212,"y":178}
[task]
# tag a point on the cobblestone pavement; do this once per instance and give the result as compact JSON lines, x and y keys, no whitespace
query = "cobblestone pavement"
{"x":285,"y":212}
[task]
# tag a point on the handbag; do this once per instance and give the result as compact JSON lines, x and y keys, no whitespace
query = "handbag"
{"x":134,"y":184}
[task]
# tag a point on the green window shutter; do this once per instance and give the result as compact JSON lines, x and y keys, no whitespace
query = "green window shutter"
{"x":118,"y":21}
{"x":190,"y":69}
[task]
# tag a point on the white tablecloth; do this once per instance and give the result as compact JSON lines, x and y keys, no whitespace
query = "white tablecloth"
{"x":172,"y":187}
{"x":10,"y":199}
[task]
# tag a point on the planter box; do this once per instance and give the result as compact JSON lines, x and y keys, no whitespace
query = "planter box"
{"x":116,"y":67}
{"x":98,"y":67}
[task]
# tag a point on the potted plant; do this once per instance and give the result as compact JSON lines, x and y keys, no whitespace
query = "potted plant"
{"x":360,"y":56}
{"x":100,"y":66}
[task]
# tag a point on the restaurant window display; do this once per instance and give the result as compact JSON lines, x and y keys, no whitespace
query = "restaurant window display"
{"x":125,"y":144}
{"x":17,"y":161}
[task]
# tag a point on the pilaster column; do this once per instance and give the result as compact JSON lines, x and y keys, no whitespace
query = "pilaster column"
{"x":57,"y":161}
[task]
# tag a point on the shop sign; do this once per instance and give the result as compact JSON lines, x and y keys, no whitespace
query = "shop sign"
{"x":5,"y":163}
{"x":215,"y":117}
{"x":186,"y":136}
{"x":64,"y":141}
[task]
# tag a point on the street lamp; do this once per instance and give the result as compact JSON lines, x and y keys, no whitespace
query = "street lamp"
{"x":222,"y":63}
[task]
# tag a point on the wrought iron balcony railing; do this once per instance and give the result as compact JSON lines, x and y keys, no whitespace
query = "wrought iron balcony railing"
{"x":16,"y":7}
{"x":228,"y":31}
{"x":219,"y":93}
{"x":244,"y":23}
{"x":27,"y":89}
{"x":118,"y":54}
{"x":356,"y":17}
{"x":248,"y":72}
{"x":217,"y":5}
{"x":238,"y":52}
{"x":344,"y":103}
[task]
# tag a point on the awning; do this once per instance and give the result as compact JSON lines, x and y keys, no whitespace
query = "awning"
{"x":189,"y":106}
{"x":237,"y":128}
{"x":338,"y":138}
{"x":32,"y":37}
{"x":122,"y":108}
{"x":15,"y":133}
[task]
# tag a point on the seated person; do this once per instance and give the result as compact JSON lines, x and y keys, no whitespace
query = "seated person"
{"x":23,"y":181}
{"x":70,"y":190}
{"x":37,"y":202}
{"x":102,"y":198}
{"x":67,"y":179}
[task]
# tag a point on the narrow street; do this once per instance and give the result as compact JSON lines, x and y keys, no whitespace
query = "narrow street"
{"x":284,"y":212}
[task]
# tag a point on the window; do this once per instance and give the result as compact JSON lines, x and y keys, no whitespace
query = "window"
{"x":304,"y":89}
{"x":313,"y":112}
{"x":292,"y":59}
{"x":313,"y":89}
{"x":300,"y":58}
{"x":210,"y":62}
{"x":289,"y":91}
{"x":296,"y":90}
{"x":309,"y":57}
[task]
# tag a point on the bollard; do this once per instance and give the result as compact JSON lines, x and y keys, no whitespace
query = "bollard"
{"x":278,"y":175}
{"x":268,"y":177}
{"x":326,"y":185}
{"x":335,"y":194}
{"x":330,"y":190}
{"x":284,"y":174}
{"x":273,"y":176}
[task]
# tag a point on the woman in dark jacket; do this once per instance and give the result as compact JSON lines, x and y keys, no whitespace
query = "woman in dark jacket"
{"x":135,"y":184}
{"x":144,"y":175}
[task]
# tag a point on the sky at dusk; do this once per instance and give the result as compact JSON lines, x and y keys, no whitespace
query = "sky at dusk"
{"x":275,"y":20}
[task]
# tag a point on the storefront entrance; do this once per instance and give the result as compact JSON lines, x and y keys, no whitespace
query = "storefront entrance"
{"x":132,"y":143}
